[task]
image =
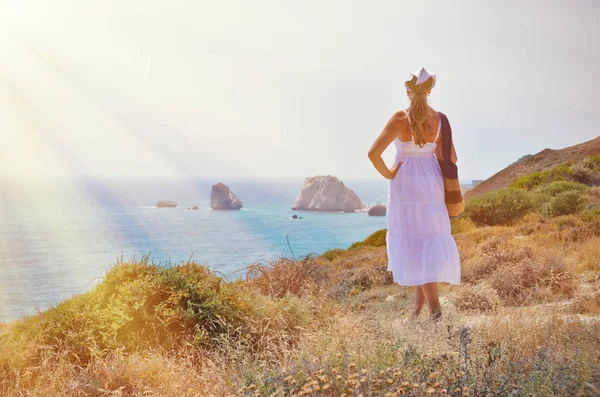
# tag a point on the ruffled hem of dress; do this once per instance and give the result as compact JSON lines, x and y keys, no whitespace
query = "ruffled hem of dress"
{"x":432,"y":280}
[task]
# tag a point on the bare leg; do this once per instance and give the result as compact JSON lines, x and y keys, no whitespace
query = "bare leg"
{"x":433,"y":301}
{"x":419,"y":301}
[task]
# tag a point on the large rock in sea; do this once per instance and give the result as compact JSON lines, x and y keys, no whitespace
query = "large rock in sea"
{"x":377,"y":210}
{"x":221,"y":198}
{"x":166,"y":204}
{"x":326,"y":193}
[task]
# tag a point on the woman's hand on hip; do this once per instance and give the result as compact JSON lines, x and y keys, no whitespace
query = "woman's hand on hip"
{"x":394,"y":169}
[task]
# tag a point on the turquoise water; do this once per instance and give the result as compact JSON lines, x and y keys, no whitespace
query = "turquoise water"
{"x":59,"y":237}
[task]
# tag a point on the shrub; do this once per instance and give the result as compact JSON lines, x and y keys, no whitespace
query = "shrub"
{"x":478,"y":298}
{"x":361,"y":278}
{"x":461,"y":225}
{"x":530,"y":217}
{"x":376,"y":239}
{"x":541,"y":204}
{"x":285,"y":275}
{"x":530,"y":181}
{"x":578,"y":227}
{"x":590,"y":216}
{"x":141,"y":306}
{"x":592,"y":162}
{"x":497,"y":252}
{"x":332,"y":254}
{"x":568,"y":202}
{"x":532,"y":281}
{"x":501,"y":207}
{"x":587,"y":302}
{"x":582,"y":174}
{"x":557,"y":187}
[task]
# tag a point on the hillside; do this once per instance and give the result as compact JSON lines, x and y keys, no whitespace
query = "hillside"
{"x":543,"y":160}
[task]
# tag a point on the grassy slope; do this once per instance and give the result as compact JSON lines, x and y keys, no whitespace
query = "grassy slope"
{"x":524,"y":321}
{"x":543,"y":160}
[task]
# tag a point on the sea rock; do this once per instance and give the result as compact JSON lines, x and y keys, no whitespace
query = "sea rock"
{"x":377,"y":210}
{"x":195,"y":207}
{"x":221,"y":198}
{"x":166,"y":204}
{"x":326,"y":193}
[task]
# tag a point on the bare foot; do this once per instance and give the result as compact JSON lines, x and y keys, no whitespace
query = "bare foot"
{"x":436,"y":316}
{"x":410,"y":319}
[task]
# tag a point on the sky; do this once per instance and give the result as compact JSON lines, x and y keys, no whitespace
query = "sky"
{"x":120,"y":88}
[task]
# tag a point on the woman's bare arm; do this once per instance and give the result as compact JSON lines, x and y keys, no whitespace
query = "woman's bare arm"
{"x":389,"y":133}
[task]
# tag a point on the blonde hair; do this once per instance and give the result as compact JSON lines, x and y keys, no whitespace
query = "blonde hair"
{"x":419,"y":109}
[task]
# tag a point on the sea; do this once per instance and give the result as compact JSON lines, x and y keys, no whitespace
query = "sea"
{"x":59,"y":236}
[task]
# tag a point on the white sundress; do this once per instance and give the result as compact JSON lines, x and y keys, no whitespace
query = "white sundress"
{"x":420,"y":246}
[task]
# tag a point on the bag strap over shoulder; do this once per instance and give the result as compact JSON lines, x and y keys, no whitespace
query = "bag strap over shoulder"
{"x":446,"y":137}
{"x":449,"y":169}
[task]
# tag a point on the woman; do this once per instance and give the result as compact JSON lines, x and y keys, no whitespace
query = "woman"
{"x":421,"y":250}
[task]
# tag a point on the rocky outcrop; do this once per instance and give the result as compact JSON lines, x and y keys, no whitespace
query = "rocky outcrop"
{"x":166,"y":204}
{"x":221,"y":198}
{"x":377,"y":210}
{"x":326,"y":193}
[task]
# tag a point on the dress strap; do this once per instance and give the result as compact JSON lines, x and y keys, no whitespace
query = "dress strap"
{"x":439,"y":128}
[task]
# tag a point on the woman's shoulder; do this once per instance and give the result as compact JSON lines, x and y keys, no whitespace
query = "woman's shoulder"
{"x":397,"y":119}
{"x":400,"y":114}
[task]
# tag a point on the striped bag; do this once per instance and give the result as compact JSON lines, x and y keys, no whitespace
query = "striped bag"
{"x":453,"y":196}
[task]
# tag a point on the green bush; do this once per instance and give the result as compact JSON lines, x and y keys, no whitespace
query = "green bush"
{"x":592,"y":162}
{"x":558,"y":173}
{"x":590,"y":216}
{"x":501,"y":207}
{"x":332,"y":254}
{"x":568,"y":202}
{"x":557,"y":187}
{"x":461,"y":224}
{"x":376,"y":239}
{"x":141,"y":305}
{"x":583,"y":174}
{"x":541,"y":203}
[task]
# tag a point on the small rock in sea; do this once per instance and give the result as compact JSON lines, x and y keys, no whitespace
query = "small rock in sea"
{"x":166,"y":204}
{"x":294,"y":216}
{"x":377,"y":210}
{"x":195,"y":207}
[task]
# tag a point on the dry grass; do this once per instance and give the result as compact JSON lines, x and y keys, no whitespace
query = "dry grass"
{"x":478,"y":298}
{"x":286,"y":275}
